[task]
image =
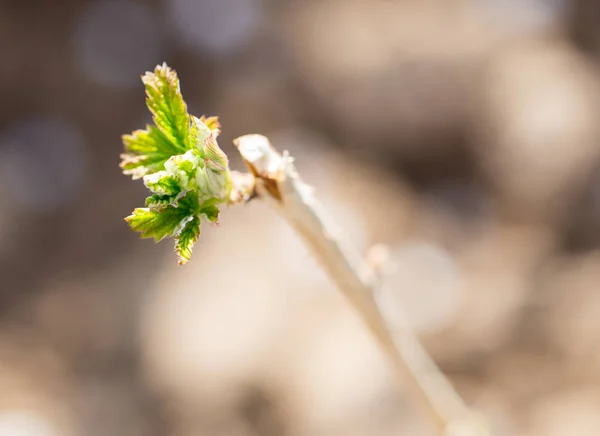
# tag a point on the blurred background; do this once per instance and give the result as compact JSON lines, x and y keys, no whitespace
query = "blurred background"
{"x":463,"y":133}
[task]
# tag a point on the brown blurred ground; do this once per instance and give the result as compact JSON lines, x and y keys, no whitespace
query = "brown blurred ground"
{"x":464,"y":133}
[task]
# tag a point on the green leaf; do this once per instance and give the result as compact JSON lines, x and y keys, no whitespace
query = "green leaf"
{"x":210,"y":212}
{"x":197,"y":135}
{"x":162,"y":183}
{"x":146,"y":152}
{"x":157,"y":224}
{"x":158,"y":201}
{"x":185,"y":240}
{"x":213,"y":124}
{"x":166,"y":103}
{"x":183,"y":168}
{"x":216,"y":159}
{"x":149,"y":141}
{"x":190,"y":203}
{"x":165,"y":222}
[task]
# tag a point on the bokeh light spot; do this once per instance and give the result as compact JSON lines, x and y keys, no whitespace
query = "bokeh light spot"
{"x":214,"y":26}
{"x":43,"y":163}
{"x":426,"y":281}
{"x":115,"y":41}
{"x":24,"y":423}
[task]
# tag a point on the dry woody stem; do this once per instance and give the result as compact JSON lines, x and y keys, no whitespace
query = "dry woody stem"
{"x":278,"y":183}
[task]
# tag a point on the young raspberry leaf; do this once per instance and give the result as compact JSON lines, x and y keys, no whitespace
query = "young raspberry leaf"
{"x":166,"y":103}
{"x":213,"y":124}
{"x":197,"y":135}
{"x":158,"y":201}
{"x":184,"y":241}
{"x":213,"y":184}
{"x":158,"y":224}
{"x":146,"y":152}
{"x":183,"y":168}
{"x":165,"y":222}
{"x":216,"y":159}
{"x":162,"y":183}
{"x":210,"y":212}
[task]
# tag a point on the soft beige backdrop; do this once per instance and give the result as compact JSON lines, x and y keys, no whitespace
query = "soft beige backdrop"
{"x":465,"y":134}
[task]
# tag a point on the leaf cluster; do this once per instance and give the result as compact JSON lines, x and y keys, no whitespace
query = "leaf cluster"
{"x":181,"y":164}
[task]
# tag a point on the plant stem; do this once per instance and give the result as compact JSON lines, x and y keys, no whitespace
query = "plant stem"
{"x":277,"y":182}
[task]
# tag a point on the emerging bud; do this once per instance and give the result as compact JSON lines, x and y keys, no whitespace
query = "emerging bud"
{"x":198,"y":132}
{"x":215,"y":159}
{"x":213,"y":184}
{"x":183,"y":168}
{"x":213,"y":124}
{"x":162,"y":183}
